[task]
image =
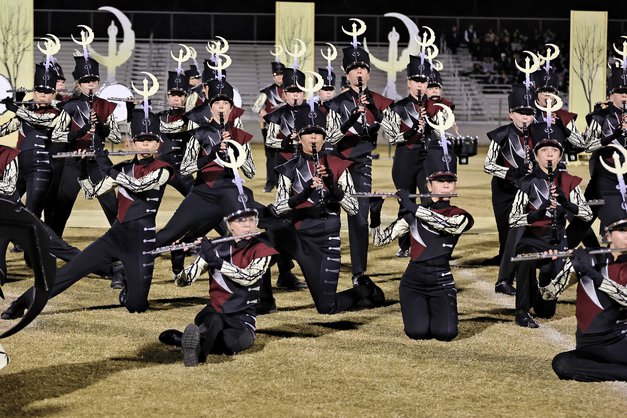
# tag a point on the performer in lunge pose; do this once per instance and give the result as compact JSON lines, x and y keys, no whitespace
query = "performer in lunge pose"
{"x":85,"y":123}
{"x":269,"y":99}
{"x":141,"y":182}
{"x":358,"y":113}
{"x":544,"y":199}
{"x":313,"y":186}
{"x":34,"y":121}
{"x":227,"y":324}
{"x":205,"y":155}
{"x":509,"y":158}
{"x":427,"y":290}
{"x":601,"y":350}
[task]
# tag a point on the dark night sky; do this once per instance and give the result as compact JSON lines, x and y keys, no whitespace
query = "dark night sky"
{"x":502,"y":8}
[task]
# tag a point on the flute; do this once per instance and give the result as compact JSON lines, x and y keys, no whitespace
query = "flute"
{"x":562,"y":254}
{"x":188,"y":245}
{"x":363,"y":195}
{"x":73,"y":154}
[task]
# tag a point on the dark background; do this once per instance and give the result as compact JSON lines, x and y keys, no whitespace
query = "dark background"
{"x":254,"y":21}
{"x":560,"y":9}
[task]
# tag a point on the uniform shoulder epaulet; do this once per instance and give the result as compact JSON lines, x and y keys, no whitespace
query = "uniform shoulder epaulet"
{"x":287,"y":168}
{"x":499,"y":134}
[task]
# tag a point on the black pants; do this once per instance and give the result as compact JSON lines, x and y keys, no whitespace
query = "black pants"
{"x":223,"y":334}
{"x":56,"y":165}
{"x":527,"y":290}
{"x":593,"y":363}
{"x":69,"y":189}
{"x":57,"y":247}
{"x":507,"y":269}
{"x":408,"y":173}
{"x":428,"y":302}
{"x":34,"y":178}
{"x":358,"y":229}
{"x":580,"y":231}
{"x":502,"y":200}
{"x":126,"y":242}
{"x":316,"y":248}
{"x":271,"y":180}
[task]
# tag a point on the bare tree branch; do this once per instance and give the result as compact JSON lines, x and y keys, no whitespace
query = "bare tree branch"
{"x":589,"y":58}
{"x":15,"y":40}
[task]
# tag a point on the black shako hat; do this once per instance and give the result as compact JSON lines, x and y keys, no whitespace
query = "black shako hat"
{"x":520,"y":100}
{"x":290,"y":79}
{"x":58,"y":70}
{"x":613,"y":213}
{"x":355,"y":57}
{"x":219,"y":90}
{"x":438,"y":165}
{"x":45,"y":80}
{"x":307,"y":120}
{"x":192,"y":72}
{"x":617,"y":82}
{"x":545,"y":81}
{"x":544,"y":136}
{"x":177,"y":83}
{"x":209,"y":74}
{"x":328,"y":81}
{"x":277,"y":68}
{"x":85,"y":69}
{"x":417,"y":71}
{"x":144,"y":129}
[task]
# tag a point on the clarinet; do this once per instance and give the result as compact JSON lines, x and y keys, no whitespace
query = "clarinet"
{"x":623,"y":119}
{"x":321,"y":195}
{"x":421,"y":128}
{"x":360,"y":86}
{"x":525,"y":132}
{"x":92,"y":145}
{"x":223,"y":153}
{"x":551,"y":176}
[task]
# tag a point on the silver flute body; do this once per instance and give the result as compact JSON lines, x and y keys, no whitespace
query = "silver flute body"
{"x":364,"y":195}
{"x":187,"y":245}
{"x":74,"y":154}
{"x":563,"y":254}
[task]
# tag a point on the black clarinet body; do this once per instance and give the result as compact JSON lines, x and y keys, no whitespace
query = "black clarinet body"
{"x":554,"y":233}
{"x":321,"y":194}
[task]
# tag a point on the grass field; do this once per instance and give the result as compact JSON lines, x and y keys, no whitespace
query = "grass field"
{"x":86,"y":356}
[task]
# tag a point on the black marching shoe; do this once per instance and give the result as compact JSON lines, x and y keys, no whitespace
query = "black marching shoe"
{"x":117,"y":274}
{"x":122,"y":296}
{"x":264,"y":307}
{"x":171,"y":337}
{"x":190,"y":342}
{"x":504,"y":288}
{"x":494,"y":261}
{"x":524,"y":319}
{"x":288,"y":281}
{"x":268,"y":188}
{"x":14,"y":311}
{"x":376,"y":297}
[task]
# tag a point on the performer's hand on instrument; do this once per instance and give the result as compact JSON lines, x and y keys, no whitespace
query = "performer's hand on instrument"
{"x":316,"y":182}
{"x":20,"y":93}
{"x":226,"y":135}
{"x":209,"y":254}
{"x":582,"y":264}
{"x":93,"y":118}
{"x":9,"y":103}
{"x":104,"y":163}
{"x":322,"y":171}
{"x":376,"y":205}
{"x":301,"y":197}
{"x":405,"y":201}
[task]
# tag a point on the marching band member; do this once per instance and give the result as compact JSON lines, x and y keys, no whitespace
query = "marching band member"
{"x":141,"y":183}
{"x":227,"y":324}
{"x":85,"y":122}
{"x":536,"y":209}
{"x":313,"y":186}
{"x":427,"y":289}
